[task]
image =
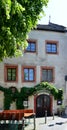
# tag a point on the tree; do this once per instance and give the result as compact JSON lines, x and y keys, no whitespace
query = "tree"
{"x":17,"y":18}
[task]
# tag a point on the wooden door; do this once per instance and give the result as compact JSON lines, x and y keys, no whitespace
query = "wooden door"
{"x":42,"y":104}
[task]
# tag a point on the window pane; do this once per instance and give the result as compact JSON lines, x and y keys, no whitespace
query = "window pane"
{"x":28,"y":47}
{"x":9,"y":70}
{"x":48,"y":48}
{"x":33,"y":47}
{"x":8,"y":74}
{"x":31,"y":74}
{"x":50,"y":77}
{"x":9,"y":78}
{"x":44,"y":75}
{"x":13,"y":74}
{"x":14,"y":70}
{"x":26,"y":74}
{"x":13,"y":78}
{"x":54,"y":49}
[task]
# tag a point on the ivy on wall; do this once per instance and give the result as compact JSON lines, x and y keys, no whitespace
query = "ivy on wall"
{"x":12,"y":94}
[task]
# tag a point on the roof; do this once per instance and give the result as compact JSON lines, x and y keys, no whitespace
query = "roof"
{"x":51,"y":27}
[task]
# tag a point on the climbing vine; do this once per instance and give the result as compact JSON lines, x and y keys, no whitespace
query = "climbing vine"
{"x":12,"y":94}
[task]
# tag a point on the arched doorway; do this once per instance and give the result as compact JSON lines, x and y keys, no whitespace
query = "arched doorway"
{"x":43,"y":102}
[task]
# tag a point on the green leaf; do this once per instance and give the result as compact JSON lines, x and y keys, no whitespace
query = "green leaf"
{"x":17,"y":19}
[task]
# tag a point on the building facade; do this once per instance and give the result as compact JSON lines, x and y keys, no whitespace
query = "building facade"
{"x":44,"y":59}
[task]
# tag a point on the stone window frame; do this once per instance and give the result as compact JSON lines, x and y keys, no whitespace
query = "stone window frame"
{"x":51,"y":42}
{"x":29,"y":67}
{"x":5,"y":72}
{"x":32,"y":41}
{"x":48,"y":68}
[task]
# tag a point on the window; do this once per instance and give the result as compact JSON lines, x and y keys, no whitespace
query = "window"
{"x":51,"y":47}
{"x":10,"y":73}
{"x":31,"y":46}
{"x":28,"y":74}
{"x":47,"y":74}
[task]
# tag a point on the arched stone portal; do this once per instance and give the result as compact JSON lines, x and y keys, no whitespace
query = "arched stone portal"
{"x":43,"y":102}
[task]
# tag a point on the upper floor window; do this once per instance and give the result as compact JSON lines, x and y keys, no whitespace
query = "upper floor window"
{"x":51,"y":47}
{"x":31,"y":46}
{"x":28,"y":74}
{"x":10,"y":73}
{"x":47,"y":74}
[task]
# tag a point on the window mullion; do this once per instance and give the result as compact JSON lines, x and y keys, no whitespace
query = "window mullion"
{"x":47,"y":75}
{"x":28,"y":74}
{"x":11,"y":74}
{"x":51,"y":47}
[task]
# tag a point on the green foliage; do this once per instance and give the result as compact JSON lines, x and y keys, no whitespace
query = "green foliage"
{"x":17,"y":18}
{"x":60,"y":94}
{"x":7,"y":101}
{"x":25,"y":92}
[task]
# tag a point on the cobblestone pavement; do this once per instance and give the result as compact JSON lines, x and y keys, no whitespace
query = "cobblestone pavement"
{"x":52,"y":123}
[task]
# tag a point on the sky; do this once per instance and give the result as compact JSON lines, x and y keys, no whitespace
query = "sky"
{"x":57,"y":10}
